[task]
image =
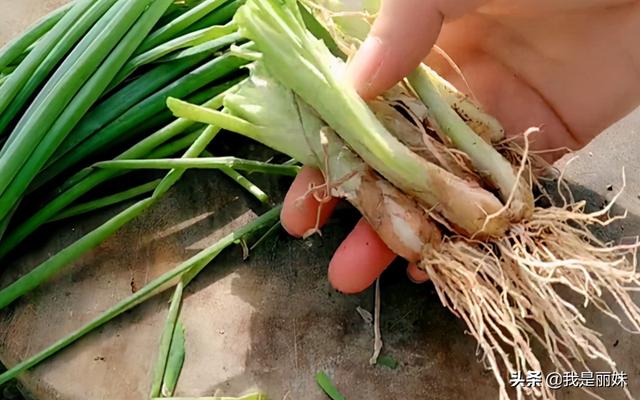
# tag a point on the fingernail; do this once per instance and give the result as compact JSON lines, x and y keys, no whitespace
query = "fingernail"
{"x":365,"y":66}
{"x":416,"y":275}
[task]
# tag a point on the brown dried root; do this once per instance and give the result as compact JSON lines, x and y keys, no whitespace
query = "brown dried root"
{"x":507,"y":291}
{"x":335,"y":19}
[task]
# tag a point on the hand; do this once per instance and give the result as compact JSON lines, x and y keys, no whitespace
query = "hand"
{"x":571,"y":67}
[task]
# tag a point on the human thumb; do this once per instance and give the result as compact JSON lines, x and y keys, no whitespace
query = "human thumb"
{"x":401,"y":37}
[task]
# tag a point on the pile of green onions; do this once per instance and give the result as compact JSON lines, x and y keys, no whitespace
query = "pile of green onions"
{"x":88,"y":84}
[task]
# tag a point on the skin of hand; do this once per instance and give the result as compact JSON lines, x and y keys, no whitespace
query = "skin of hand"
{"x":571,"y":67}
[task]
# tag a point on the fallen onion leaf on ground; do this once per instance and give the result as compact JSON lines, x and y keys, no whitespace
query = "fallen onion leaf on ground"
{"x":190,"y":267}
{"x":166,"y":340}
{"x":175,"y":361}
{"x":328,"y":387}
{"x":107,"y":201}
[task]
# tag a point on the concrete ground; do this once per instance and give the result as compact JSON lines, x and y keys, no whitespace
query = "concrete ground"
{"x":272,"y":322}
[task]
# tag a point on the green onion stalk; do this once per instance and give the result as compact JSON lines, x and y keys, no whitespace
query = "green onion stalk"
{"x":449,"y":111}
{"x":82,"y":100}
{"x":46,"y":56}
{"x":202,"y":163}
{"x":219,"y":16}
{"x":107,"y":201}
{"x":178,"y":25}
{"x":119,"y":109}
{"x":189,"y":40}
{"x":350,"y":22}
{"x":14,"y":49}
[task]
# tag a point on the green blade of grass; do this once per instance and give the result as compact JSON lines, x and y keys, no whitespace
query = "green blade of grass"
{"x":155,"y":286}
{"x":387,"y":361}
{"x":203,"y":163}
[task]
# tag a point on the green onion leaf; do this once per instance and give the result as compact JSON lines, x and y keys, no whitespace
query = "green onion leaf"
{"x":328,"y":387}
{"x":174,"y":362}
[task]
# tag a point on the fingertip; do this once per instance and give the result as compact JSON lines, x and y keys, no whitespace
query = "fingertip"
{"x":300,"y":208}
{"x":360,"y":260}
{"x":416,"y":275}
{"x":363,"y":68}
{"x":401,"y":37}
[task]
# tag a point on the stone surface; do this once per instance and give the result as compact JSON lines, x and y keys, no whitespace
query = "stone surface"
{"x":269,"y":323}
